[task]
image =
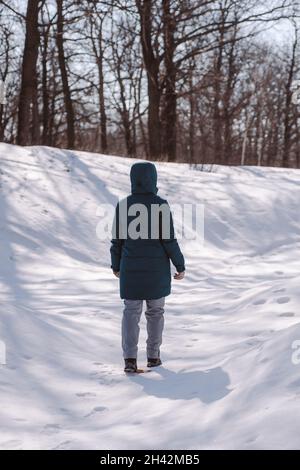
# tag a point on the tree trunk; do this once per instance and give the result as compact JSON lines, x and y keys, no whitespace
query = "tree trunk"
{"x":288,"y":101}
{"x":29,"y":76}
{"x":103,"y":119}
{"x":152,"y":67}
{"x":191,"y":145}
{"x":230,"y":84}
{"x":45,"y":91}
{"x":140,"y":118}
{"x":2,"y":125}
{"x":64,"y":76}
{"x":35,"y":123}
{"x":217,"y":118}
{"x":170,"y":99}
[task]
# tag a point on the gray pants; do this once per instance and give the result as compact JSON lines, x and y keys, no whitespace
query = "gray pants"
{"x":130,"y":326}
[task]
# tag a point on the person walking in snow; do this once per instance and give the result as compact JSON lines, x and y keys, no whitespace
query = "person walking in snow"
{"x":141,"y":260}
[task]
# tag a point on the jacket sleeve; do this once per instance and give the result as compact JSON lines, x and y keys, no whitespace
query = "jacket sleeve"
{"x":171,"y":246}
{"x":116,"y":243}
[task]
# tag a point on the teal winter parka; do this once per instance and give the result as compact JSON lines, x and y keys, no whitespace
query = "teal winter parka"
{"x":144,"y":261}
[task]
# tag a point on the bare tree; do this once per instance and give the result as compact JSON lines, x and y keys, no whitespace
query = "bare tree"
{"x":70,"y":114}
{"x":97,"y":14}
{"x":28,"y":94}
{"x":149,"y":41}
{"x":288,"y":119}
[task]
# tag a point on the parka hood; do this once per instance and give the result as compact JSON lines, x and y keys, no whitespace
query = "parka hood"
{"x":143,"y":177}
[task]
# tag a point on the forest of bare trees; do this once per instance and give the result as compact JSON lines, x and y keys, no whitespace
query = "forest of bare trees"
{"x":200,"y":81}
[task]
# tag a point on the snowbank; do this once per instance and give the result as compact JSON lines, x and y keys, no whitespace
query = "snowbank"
{"x":228,"y":380}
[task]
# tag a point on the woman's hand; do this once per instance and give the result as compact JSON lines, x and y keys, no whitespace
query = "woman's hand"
{"x":179,"y":276}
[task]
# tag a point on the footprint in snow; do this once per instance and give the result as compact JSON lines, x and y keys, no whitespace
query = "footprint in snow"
{"x":251,"y":440}
{"x":70,"y":314}
{"x":97,"y":409}
{"x":65,"y":410}
{"x":283,"y":300}
{"x":28,"y":358}
{"x":86,"y":394}
{"x":103,"y":377}
{"x":51,"y":429}
{"x":94,"y":375}
{"x":265,"y":360}
{"x":254,"y":334}
{"x":287,"y":314}
{"x":62,"y":445}
{"x":295,"y":384}
{"x":254,"y":342}
{"x":259,"y":302}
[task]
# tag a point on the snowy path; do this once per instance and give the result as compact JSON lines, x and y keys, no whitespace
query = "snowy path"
{"x":227,"y":379}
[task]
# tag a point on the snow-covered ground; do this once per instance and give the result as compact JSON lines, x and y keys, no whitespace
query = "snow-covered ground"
{"x":227,"y":381}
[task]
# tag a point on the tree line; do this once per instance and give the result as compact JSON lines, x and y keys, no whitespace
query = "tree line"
{"x":198,"y":81}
